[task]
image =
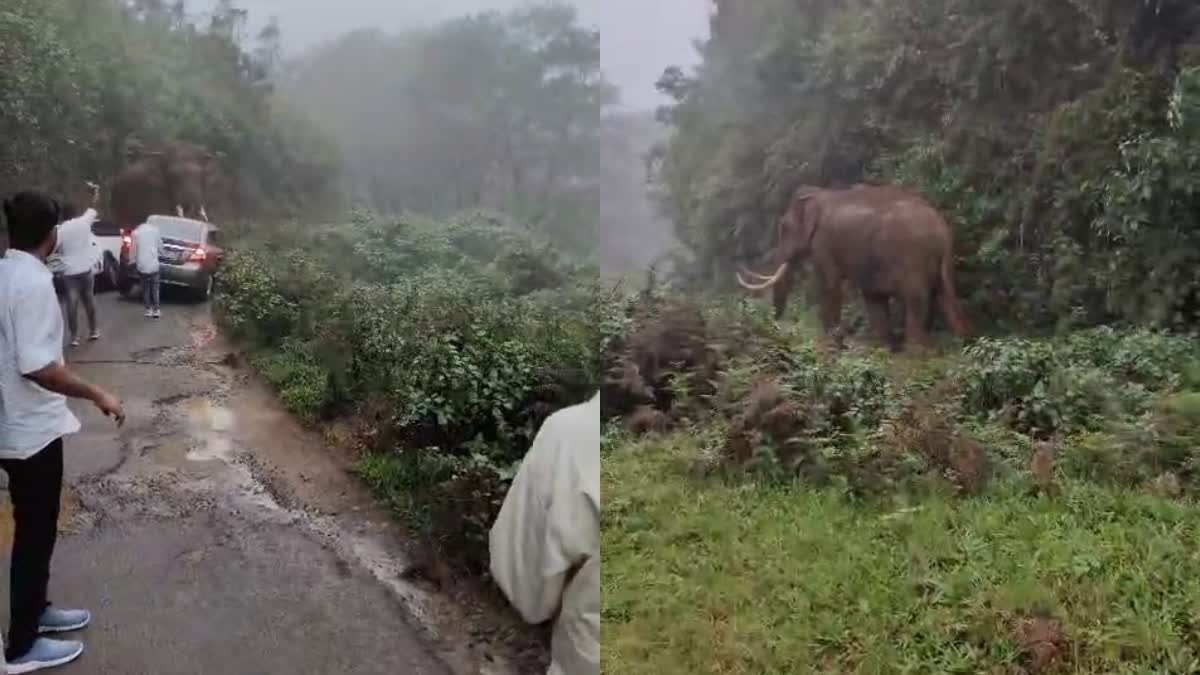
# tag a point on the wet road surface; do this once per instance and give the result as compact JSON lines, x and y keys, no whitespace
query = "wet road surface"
{"x":213,"y":534}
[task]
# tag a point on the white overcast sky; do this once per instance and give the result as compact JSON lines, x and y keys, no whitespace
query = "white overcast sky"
{"x":639,"y":38}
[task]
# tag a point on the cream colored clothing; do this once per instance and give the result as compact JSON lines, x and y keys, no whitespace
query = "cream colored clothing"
{"x":549,"y":529}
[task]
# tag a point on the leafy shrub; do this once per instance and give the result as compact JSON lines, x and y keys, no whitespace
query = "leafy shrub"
{"x":252,"y":304}
{"x":302,"y":383}
{"x":457,"y":367}
{"x":1044,"y":387}
{"x":878,"y":422}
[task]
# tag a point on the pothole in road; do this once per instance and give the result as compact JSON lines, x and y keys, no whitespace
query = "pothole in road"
{"x":196,"y":431}
{"x":70,"y":516}
{"x":151,"y":354}
{"x":209,"y":425}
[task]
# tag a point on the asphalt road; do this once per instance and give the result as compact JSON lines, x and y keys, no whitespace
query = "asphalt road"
{"x":214,"y":535}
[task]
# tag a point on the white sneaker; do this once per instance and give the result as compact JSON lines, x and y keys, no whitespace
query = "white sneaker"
{"x":158,"y":313}
{"x":46,"y":653}
{"x":149,"y":314}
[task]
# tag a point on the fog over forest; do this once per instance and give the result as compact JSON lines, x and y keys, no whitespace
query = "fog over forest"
{"x":638,"y":39}
{"x":353,"y":85}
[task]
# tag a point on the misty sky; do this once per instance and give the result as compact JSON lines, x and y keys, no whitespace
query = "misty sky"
{"x":639,"y":38}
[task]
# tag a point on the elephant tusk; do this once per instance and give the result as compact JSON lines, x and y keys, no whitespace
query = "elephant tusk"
{"x":754,"y":275}
{"x":767,"y":281}
{"x":179,"y":210}
{"x":203,"y":214}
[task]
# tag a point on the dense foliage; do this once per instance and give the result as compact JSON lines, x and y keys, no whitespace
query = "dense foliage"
{"x":443,"y":344}
{"x":83,"y":80}
{"x":494,"y":110}
{"x":1061,"y":137}
{"x":1113,"y":403}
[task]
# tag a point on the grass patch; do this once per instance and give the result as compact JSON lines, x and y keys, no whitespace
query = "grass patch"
{"x":719,"y":576}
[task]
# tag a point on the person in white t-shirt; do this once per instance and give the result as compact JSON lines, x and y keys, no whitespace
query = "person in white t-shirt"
{"x":76,"y":252}
{"x":34,"y":419}
{"x":545,"y":544}
{"x":146,"y":248}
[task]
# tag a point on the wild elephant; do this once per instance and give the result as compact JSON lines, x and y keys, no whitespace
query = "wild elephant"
{"x":888,"y":242}
{"x":173,"y":181}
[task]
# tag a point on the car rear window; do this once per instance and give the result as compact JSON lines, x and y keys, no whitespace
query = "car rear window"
{"x":180,"y":229}
{"x":105,"y":228}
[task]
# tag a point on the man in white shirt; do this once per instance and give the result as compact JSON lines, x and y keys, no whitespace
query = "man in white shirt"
{"x":545,"y":544}
{"x":34,"y":419}
{"x":147,"y":246}
{"x":77,"y":253}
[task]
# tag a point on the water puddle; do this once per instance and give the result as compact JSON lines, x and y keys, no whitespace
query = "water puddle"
{"x":209,"y":426}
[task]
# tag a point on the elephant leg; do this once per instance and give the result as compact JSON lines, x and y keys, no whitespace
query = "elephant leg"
{"x":916,"y":315}
{"x":831,"y":309}
{"x":879,"y":317}
{"x":782,"y":290}
{"x":934,"y":301}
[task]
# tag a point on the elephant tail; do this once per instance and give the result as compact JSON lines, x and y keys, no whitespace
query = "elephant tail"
{"x":949,"y":297}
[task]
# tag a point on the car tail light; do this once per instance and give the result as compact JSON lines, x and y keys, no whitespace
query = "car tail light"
{"x":199,"y":255}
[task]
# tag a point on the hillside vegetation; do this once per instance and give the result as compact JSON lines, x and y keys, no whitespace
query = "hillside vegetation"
{"x":1022,"y":502}
{"x":769,"y":509}
{"x":435,"y":348}
{"x":1060,"y":137}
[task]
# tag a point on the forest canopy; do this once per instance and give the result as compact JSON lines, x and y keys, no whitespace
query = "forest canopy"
{"x":1060,"y":137}
{"x":83,"y":80}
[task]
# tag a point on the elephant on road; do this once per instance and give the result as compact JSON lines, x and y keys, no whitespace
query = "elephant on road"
{"x":173,"y":181}
{"x":887,"y":241}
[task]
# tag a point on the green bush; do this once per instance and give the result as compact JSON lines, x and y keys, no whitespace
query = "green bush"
{"x":1073,"y":384}
{"x":302,"y":383}
{"x":252,"y":304}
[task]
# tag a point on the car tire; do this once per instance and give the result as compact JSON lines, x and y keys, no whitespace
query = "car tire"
{"x":125,"y":288}
{"x":110,"y":277}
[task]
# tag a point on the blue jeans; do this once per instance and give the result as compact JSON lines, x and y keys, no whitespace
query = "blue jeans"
{"x":150,"y":284}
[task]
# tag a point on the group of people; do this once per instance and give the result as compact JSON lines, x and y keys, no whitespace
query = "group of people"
{"x":74,"y":256}
{"x":545,"y":544}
